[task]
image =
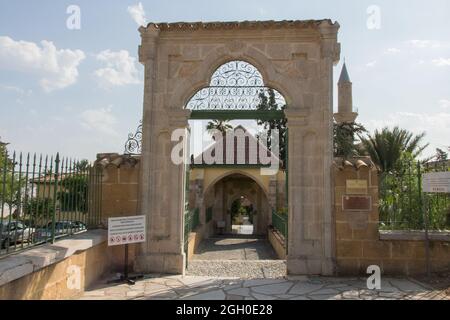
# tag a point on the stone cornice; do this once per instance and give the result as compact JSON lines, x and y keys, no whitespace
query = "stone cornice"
{"x":234,"y":25}
{"x":178,"y":118}
{"x":297,"y":117}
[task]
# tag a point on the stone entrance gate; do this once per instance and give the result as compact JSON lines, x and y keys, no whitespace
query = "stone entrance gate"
{"x":294,"y":57}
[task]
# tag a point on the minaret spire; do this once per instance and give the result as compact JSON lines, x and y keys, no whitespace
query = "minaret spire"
{"x":345,"y":98}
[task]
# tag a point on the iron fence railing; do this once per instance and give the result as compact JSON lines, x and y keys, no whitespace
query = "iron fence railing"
{"x":209,"y":214}
{"x":280,"y":223}
{"x":191,"y":222}
{"x":402,"y":204}
{"x":43,"y":198}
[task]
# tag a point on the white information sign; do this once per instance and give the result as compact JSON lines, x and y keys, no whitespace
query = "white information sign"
{"x":436,"y":182}
{"x":126,"y":230}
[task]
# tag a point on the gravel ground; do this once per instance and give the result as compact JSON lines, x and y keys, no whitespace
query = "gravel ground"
{"x":245,"y":257}
{"x":243,"y":269}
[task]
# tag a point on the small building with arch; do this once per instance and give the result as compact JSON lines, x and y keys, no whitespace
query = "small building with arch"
{"x":215,"y":187}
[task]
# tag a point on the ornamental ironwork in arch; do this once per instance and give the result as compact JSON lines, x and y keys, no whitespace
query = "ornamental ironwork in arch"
{"x":133,"y":146}
{"x":235,"y":85}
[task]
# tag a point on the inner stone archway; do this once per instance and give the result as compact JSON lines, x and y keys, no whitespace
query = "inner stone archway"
{"x":294,"y":57}
{"x":230,"y":188}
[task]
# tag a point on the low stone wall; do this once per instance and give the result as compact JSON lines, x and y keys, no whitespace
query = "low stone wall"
{"x":278,"y":243}
{"x":59,"y":271}
{"x":195,"y":238}
{"x":359,"y":243}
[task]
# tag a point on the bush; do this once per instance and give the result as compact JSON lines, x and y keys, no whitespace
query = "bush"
{"x":37,"y":208}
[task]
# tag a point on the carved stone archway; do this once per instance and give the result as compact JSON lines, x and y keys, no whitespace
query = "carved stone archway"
{"x":296,"y":58}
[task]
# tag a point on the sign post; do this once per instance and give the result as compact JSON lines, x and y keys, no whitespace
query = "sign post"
{"x":436,"y":182}
{"x":125,"y":231}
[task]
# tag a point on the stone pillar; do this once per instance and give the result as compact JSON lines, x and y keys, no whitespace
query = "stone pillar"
{"x":331,"y":51}
{"x":305,"y":253}
{"x":162,"y":181}
{"x":311,"y":232}
{"x":164,"y":250}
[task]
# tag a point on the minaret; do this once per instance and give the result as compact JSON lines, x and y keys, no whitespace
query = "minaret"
{"x":345,"y":99}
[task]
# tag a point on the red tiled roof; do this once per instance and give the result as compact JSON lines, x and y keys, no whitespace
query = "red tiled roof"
{"x":247,"y":153}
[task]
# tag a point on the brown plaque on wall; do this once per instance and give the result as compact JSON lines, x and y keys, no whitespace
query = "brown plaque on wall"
{"x":356,"y":203}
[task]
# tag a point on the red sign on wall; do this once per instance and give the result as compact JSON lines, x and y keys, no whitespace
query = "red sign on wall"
{"x":356,"y":203}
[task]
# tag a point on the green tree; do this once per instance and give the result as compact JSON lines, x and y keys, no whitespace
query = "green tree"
{"x":345,"y":137}
{"x":387,"y":146}
{"x":9,"y":182}
{"x":441,"y":155}
{"x":268,"y":102}
{"x":36,"y":208}
{"x":82,"y":165}
{"x":74,"y":193}
{"x":219,"y":125}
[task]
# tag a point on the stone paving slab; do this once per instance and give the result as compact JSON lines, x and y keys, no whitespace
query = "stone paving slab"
{"x":160,"y":287}
{"x":244,"y":248}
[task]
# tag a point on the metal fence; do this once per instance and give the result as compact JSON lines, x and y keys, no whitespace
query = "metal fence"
{"x":191,"y":221}
{"x":280,"y":223}
{"x":43,"y":198}
{"x":403,"y":204}
{"x":209,"y":214}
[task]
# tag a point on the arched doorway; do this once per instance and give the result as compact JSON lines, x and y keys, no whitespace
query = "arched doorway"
{"x":236,"y":200}
{"x":294,"y":57}
{"x":242,"y":214}
{"x":235,"y":242}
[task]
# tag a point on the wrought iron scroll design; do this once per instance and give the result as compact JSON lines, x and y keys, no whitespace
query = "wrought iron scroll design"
{"x":236,"y":85}
{"x":134,"y":142}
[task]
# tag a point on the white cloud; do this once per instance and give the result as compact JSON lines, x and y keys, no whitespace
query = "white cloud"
{"x":137,"y":12}
{"x":371,"y":64}
{"x":433,"y":44}
{"x":16,"y":90}
{"x":100,"y":120}
{"x":57,"y":68}
{"x":120,"y":69}
{"x":436,"y":126}
{"x":392,"y":51}
{"x":441,"y":62}
{"x":444,"y":104}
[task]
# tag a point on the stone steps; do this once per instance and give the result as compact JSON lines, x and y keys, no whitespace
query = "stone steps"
{"x":243,"y":269}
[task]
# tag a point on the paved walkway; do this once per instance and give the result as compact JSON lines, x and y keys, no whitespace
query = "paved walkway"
{"x":158,"y":287}
{"x":235,"y":247}
{"x":225,"y":269}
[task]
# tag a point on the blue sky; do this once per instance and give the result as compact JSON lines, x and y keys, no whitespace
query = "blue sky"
{"x":80,"y":92}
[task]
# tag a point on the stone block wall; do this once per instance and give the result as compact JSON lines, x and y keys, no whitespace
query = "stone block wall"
{"x":358,"y":242}
{"x":120,"y":186}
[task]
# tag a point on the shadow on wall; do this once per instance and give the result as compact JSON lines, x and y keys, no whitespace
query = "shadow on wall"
{"x":62,"y":272}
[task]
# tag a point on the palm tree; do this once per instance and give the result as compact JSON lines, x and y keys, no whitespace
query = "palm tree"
{"x":387,"y":146}
{"x":218,"y":125}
